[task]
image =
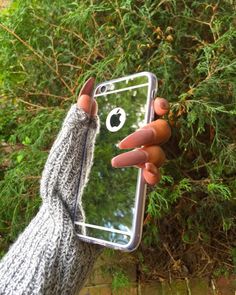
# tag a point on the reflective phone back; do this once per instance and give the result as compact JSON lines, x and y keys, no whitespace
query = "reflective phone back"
{"x":114,"y":198}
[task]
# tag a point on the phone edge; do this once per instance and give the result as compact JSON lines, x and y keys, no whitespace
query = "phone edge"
{"x":140,"y":195}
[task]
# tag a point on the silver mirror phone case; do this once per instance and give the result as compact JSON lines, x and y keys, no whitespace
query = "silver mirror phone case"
{"x":114,"y":198}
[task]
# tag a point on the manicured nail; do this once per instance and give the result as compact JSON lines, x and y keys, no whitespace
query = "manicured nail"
{"x":138,"y":138}
{"x":87,"y":88}
{"x":151,"y":168}
{"x":164,"y":104}
{"x":161,"y":106}
{"x":130,"y":159}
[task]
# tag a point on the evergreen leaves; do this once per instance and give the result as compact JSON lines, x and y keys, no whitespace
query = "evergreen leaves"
{"x":49,"y":48}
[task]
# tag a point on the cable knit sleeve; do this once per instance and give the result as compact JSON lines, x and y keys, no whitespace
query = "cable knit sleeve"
{"x":48,"y":258}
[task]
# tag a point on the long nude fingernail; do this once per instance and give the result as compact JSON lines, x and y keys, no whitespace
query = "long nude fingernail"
{"x":130,"y":159}
{"x":87,"y":88}
{"x":151,"y":168}
{"x":138,"y":138}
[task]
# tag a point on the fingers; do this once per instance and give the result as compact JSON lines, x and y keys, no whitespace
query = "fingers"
{"x":141,"y":158}
{"x":94,"y":109}
{"x":161,"y":106}
{"x":129,"y":159}
{"x":156,"y":155}
{"x":151,"y":174}
{"x":157,"y":132}
{"x":85,"y":100}
{"x":150,"y":154}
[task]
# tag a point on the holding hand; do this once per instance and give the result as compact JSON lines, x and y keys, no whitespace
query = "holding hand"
{"x":147,"y":153}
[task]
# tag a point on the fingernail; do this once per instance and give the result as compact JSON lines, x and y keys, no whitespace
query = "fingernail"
{"x":130,"y":159}
{"x":85,"y":102}
{"x":164,"y":104}
{"x":87,"y":88}
{"x":138,"y":138}
{"x":151,"y":168}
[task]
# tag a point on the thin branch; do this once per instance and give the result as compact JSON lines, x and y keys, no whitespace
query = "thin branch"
{"x":214,"y":9}
{"x":192,"y":19}
{"x":69,"y":65}
{"x":203,"y":165}
{"x":79,"y":36}
{"x":168,"y":251}
{"x":54,"y":55}
{"x":81,"y":59}
{"x":45,"y":94}
{"x":31,"y":104}
{"x":40,"y":57}
{"x":117,"y":9}
{"x":139,"y":15}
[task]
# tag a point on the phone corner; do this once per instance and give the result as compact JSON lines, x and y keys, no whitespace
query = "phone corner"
{"x":133,"y":244}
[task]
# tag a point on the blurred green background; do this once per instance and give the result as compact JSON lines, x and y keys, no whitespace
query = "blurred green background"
{"x":49,"y":48}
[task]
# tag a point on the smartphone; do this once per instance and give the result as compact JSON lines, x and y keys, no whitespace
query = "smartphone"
{"x":113,"y":200}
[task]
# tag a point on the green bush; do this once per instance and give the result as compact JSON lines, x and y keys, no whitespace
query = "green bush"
{"x":49,"y":48}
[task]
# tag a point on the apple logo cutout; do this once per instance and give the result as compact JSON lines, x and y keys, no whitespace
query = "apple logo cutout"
{"x":115,"y":119}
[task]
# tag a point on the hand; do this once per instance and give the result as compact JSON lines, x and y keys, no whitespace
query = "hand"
{"x":147,"y":140}
{"x":85,"y":100}
{"x":150,"y":156}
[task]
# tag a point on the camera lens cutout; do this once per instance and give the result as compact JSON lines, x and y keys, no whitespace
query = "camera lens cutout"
{"x":103,"y":88}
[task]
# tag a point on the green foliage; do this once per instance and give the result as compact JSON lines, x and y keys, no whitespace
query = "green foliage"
{"x":234,"y":258}
{"x":120,"y":280}
{"x":114,"y":267}
{"x":221,"y":272}
{"x":49,"y":48}
{"x":161,"y":199}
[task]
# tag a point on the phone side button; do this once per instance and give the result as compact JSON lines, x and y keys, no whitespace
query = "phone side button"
{"x":153,"y":95}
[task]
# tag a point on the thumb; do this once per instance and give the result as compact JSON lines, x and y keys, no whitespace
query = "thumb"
{"x":85,"y":100}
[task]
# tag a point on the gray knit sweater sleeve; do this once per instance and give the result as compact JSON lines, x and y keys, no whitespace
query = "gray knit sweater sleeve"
{"x":48,"y":258}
